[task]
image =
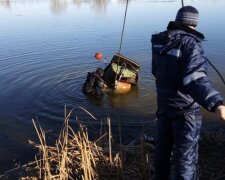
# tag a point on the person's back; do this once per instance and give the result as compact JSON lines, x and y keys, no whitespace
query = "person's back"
{"x":180,"y":70}
{"x":179,"y":65}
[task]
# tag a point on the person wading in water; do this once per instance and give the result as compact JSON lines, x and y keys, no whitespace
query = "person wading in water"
{"x":94,"y":83}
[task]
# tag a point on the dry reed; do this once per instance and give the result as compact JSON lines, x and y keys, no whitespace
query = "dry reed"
{"x":75,"y":156}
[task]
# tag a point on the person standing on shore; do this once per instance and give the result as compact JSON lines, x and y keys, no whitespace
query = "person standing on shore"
{"x":180,"y":69}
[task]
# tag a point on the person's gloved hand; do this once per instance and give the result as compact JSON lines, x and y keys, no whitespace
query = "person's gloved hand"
{"x":220,"y":111}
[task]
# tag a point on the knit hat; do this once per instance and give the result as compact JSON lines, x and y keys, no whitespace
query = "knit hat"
{"x":188,"y":15}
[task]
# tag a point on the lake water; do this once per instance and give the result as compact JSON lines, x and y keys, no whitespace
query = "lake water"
{"x":48,"y":46}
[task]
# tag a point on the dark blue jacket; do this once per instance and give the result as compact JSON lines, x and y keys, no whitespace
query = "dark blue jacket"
{"x":180,"y":68}
{"x":93,"y":84}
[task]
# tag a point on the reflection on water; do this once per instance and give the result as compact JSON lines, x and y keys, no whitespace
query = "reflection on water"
{"x":5,"y":3}
{"x":58,"y":6}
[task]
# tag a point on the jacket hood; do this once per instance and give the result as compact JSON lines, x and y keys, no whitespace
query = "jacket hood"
{"x":187,"y":30}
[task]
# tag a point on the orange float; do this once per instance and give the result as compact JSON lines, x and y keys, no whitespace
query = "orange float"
{"x":98,"y":56}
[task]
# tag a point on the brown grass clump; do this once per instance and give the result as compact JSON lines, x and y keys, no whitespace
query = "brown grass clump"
{"x":75,"y":156}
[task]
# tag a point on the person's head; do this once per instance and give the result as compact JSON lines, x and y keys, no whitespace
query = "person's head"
{"x":188,"y":15}
{"x":100,"y":72}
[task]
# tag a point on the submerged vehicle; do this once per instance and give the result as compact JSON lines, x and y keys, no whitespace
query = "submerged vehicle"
{"x":121,"y":73}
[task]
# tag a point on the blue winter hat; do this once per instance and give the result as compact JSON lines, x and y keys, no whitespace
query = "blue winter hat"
{"x":188,"y":15}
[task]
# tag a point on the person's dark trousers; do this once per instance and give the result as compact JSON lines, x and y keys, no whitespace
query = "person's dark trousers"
{"x":178,"y":132}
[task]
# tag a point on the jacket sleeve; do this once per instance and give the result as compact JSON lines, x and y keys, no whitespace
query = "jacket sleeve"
{"x":195,"y":79}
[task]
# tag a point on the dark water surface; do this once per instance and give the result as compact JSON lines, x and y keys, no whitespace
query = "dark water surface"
{"x":48,"y":46}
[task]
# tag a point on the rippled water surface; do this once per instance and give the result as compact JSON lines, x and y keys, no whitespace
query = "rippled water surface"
{"x":48,"y":46}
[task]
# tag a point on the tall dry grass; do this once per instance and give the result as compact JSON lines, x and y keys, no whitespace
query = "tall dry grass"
{"x":75,"y":156}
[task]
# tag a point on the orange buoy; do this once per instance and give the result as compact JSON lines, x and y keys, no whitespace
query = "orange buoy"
{"x":122,"y":87}
{"x":98,"y":56}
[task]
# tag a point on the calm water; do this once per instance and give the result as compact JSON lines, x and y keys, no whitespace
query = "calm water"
{"x":48,"y":46}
